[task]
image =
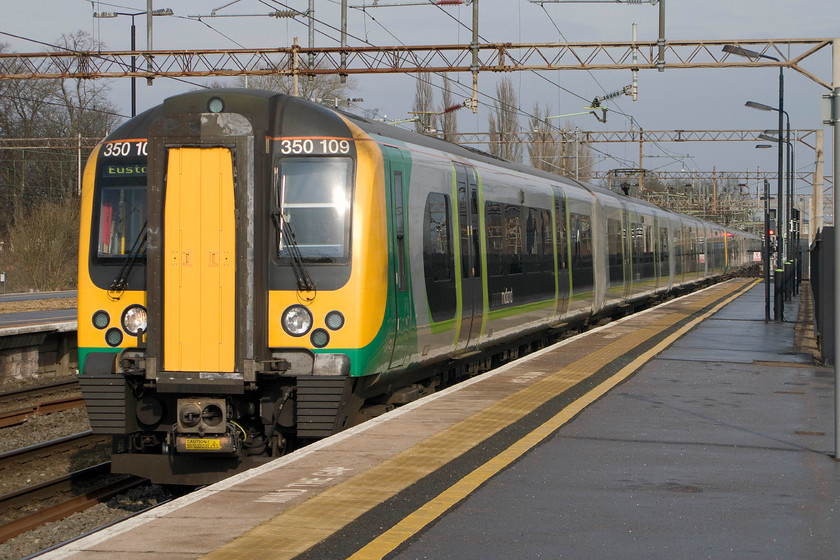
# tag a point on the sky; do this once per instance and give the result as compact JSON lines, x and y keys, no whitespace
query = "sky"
{"x":710,"y":99}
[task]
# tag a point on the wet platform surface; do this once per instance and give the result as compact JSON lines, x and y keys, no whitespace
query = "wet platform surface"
{"x":693,"y":430}
{"x":718,"y":448}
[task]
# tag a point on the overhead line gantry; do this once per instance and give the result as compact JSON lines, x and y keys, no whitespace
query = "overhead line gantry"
{"x":492,"y":57}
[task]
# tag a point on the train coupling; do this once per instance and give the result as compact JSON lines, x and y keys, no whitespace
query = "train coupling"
{"x":203,"y":427}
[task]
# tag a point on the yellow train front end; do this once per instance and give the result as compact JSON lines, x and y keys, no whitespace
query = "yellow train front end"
{"x":334,"y":206}
{"x":328,"y":301}
{"x":233,"y":285}
{"x":111,"y":285}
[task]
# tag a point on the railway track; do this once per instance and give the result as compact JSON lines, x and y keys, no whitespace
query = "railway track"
{"x":61,"y":497}
{"x":16,"y":406}
{"x":30,"y":457}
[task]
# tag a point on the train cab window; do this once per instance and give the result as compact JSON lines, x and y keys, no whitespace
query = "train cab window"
{"x":314,"y":197}
{"x":122,"y":210}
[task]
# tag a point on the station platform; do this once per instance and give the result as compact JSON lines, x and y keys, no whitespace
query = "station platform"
{"x":691,"y":430}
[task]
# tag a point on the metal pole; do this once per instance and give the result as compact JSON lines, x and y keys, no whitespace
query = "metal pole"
{"x":795,"y":215}
{"x":474,"y":65}
{"x":766,"y":251}
{"x":817,"y":220}
{"x":780,"y":215}
{"x":311,"y":34}
{"x":641,"y":160}
{"x":343,"y":77}
{"x":835,"y":114}
{"x":79,"y":165}
{"x":660,"y":61}
{"x":149,"y":18}
{"x":635,"y":86}
{"x":788,"y":212}
{"x":133,"y":69}
{"x":295,"y":69}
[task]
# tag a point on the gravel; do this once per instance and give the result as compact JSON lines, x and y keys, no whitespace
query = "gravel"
{"x":44,"y":427}
{"x":82,"y":523}
{"x":33,"y":382}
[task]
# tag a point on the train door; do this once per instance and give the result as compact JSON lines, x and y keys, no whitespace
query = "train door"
{"x":199,"y":319}
{"x":396,"y":177}
{"x":470,"y":256}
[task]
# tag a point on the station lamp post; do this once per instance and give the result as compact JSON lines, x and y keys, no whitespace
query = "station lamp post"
{"x":790,"y":247}
{"x":791,"y":251}
{"x":160,"y":12}
{"x":739,"y":51}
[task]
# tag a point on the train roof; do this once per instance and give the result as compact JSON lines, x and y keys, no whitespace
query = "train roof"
{"x":390,"y":131}
{"x":266,"y":104}
{"x":402,"y":135}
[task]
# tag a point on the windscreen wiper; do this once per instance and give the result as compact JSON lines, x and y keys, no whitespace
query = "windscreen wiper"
{"x":120,"y":283}
{"x":284,"y":228}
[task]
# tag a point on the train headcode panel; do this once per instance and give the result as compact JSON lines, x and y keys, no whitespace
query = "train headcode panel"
{"x":314,"y":146}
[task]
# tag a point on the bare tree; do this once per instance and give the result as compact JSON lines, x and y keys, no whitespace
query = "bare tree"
{"x":584,"y":159}
{"x":558,"y":150}
{"x":504,"y":123}
{"x":545,"y":148}
{"x":81,"y":106}
{"x":424,"y":104}
{"x":449,"y":120}
{"x":38,"y":109}
{"x":322,"y":88}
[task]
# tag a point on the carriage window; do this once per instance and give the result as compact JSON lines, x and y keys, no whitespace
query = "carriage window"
{"x":314,"y":196}
{"x":437,"y":249}
{"x":495,"y":237}
{"x":663,"y":246}
{"x":438,"y":261}
{"x":122,"y":214}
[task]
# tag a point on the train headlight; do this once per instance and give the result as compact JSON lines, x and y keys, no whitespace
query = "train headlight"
{"x":134,"y":320}
{"x":296,"y":320}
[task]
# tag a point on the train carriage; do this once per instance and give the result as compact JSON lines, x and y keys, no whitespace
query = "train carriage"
{"x":257,"y":271}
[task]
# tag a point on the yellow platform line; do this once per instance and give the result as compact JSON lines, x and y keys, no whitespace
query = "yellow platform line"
{"x":301,"y":527}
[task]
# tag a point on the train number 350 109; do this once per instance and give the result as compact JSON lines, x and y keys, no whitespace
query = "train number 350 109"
{"x":296,"y":146}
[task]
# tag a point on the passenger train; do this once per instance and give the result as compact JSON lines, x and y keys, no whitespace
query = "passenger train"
{"x":256,"y":271}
